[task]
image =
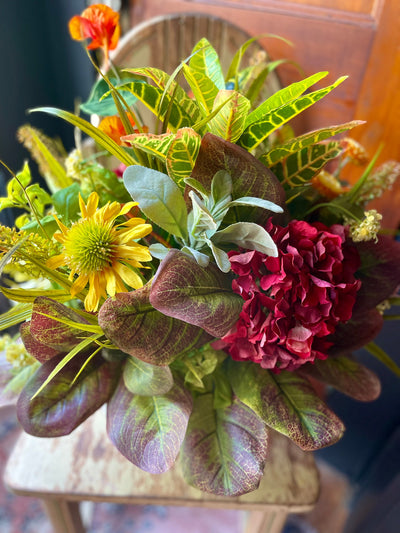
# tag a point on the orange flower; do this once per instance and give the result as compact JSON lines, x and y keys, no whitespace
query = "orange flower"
{"x":113,"y":127}
{"x":99,"y":23}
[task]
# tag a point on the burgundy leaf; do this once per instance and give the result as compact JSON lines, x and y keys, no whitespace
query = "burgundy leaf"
{"x":138,"y":329}
{"x":149,"y":430}
{"x":198,"y":295}
{"x":379,"y":272}
{"x":249,"y":176}
{"x":60,"y":407}
{"x":38,"y":350}
{"x":52,"y":332}
{"x":361,"y":329}
{"x":225,"y":450}
{"x":345,"y":374}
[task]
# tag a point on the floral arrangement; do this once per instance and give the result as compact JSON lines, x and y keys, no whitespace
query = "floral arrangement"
{"x":204,"y":279}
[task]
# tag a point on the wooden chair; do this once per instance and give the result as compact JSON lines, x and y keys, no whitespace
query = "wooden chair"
{"x":85,"y":466}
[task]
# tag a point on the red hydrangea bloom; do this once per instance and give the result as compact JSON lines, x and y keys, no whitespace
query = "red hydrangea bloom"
{"x":293,"y":302}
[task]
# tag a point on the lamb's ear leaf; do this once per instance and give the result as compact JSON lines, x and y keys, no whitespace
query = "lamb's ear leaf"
{"x":287,"y":403}
{"x":149,"y":430}
{"x":347,"y":375}
{"x":199,"y":295}
{"x":145,"y":379}
{"x":159,"y":198}
{"x":138,"y":329}
{"x":225,"y":450}
{"x":64,"y":404}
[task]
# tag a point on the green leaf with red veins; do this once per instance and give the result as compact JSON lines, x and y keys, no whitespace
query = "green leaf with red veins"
{"x":345,"y":374}
{"x":225,"y":450}
{"x":201,"y":296}
{"x":36,"y":349}
{"x":249,"y":177}
{"x":46,"y":327}
{"x":149,"y":430}
{"x":61,"y":407}
{"x":138,"y":329}
{"x":287,"y":403}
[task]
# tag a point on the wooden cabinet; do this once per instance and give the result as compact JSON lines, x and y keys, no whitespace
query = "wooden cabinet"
{"x":358,"y":38}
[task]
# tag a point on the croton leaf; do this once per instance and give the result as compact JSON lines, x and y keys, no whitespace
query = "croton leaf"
{"x":138,"y":329}
{"x":145,"y":379}
{"x":47,"y":329}
{"x":362,"y":328}
{"x":182,"y":154}
{"x":204,"y":59}
{"x":347,"y":375}
{"x":64,"y":403}
{"x":379,"y":271}
{"x":229,"y":122}
{"x":225,"y":450}
{"x":203,"y":88}
{"x":162,"y":80}
{"x":149,"y":430}
{"x":249,"y":177}
{"x":300,"y":167}
{"x":291,"y":146}
{"x":201,"y":296}
{"x":155,"y":145}
{"x":287,"y":403}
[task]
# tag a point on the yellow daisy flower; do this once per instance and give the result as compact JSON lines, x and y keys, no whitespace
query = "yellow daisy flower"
{"x":100,"y":252}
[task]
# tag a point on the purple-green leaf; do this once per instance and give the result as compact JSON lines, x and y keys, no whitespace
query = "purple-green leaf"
{"x":249,"y":177}
{"x":132,"y":324}
{"x":287,"y":403}
{"x":379,"y":272}
{"x":146,"y":379}
{"x":50,"y":331}
{"x":36,"y":349}
{"x":347,"y":375}
{"x":62,"y":406}
{"x":198,"y":295}
{"x":225,"y":450}
{"x":149,"y":430}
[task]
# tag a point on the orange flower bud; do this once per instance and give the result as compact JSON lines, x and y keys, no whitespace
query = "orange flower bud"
{"x":113,"y":127}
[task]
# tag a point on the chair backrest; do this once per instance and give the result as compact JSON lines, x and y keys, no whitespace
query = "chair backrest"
{"x":163,"y":42}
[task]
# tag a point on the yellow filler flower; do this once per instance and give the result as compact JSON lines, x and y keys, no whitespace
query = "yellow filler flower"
{"x":101,"y":252}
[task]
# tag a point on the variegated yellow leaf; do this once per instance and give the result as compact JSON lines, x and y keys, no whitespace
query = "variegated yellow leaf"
{"x":182,"y":154}
{"x":229,"y":123}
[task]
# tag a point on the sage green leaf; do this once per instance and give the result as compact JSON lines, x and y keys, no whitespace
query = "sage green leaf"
{"x":156,"y":145}
{"x":347,"y":375}
{"x":201,"y":296}
{"x":182,"y":154}
{"x":302,"y":166}
{"x":282,"y":151}
{"x":65,"y":403}
{"x":283,"y":97}
{"x":287,"y":403}
{"x":225,"y":450}
{"x":229,"y":123}
{"x":201,"y":219}
{"x":97,"y":135}
{"x":257,"y":202}
{"x":203,"y":88}
{"x":258,"y":131}
{"x":9,"y":394}
{"x":145,"y":379}
{"x":205,"y":61}
{"x":104,"y":106}
{"x":149,"y":430}
{"x":162,"y":79}
{"x":159,"y":198}
{"x":221,"y":189}
{"x":158,"y":250}
{"x":138,"y":329}
{"x":220,"y":256}
{"x":249,"y":236}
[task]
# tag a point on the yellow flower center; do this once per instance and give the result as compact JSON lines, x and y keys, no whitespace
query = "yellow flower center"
{"x":89,"y":246}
